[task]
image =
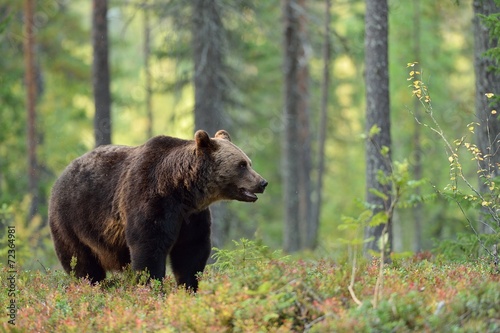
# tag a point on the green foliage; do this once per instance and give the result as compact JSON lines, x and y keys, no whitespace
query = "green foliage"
{"x":65,"y":110}
{"x":492,"y":22}
{"x":460,"y":189}
{"x":465,"y":246}
{"x":402,"y":196}
{"x":356,"y":225}
{"x":4,"y":22}
{"x":65,"y":106}
{"x":448,"y":72}
{"x":33,"y":244}
{"x":62,"y":76}
{"x":245,"y":254}
{"x":72,"y":265}
{"x":277,"y":295}
{"x":462,"y":248}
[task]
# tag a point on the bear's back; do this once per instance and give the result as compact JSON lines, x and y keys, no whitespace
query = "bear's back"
{"x":96,"y":168}
{"x":87,"y":185}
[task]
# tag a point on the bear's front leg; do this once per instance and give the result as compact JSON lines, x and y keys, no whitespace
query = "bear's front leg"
{"x":149,"y":241}
{"x":190,"y":253}
{"x":151,"y":260}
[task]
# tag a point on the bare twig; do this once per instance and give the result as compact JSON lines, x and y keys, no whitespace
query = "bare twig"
{"x":45,"y":269}
{"x":350,"y":287}
{"x":380,"y":279}
{"x":308,"y":326}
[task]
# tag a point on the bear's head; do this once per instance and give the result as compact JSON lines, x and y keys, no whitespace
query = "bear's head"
{"x":232,"y":176}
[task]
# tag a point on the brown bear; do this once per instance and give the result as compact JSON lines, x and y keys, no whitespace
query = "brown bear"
{"x":118,"y":205}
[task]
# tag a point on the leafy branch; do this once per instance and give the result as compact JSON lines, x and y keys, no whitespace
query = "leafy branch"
{"x":489,"y":202}
{"x":400,"y":182}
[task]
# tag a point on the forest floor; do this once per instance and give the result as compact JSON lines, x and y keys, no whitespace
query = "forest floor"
{"x":254,"y":290}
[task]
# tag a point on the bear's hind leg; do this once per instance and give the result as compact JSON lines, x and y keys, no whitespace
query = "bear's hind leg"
{"x":190,"y":253}
{"x":87,"y":264}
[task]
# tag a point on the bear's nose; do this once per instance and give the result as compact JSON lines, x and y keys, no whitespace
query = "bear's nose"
{"x":263,"y":183}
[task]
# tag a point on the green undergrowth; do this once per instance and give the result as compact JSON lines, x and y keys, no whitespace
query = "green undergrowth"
{"x":252,"y":289}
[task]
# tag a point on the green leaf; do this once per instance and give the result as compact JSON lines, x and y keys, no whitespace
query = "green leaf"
{"x":379,"y":194}
{"x":352,"y":223}
{"x":365,"y":215}
{"x":379,"y":218}
{"x":346,"y":226}
{"x":348,"y":220}
{"x":385,"y":151}
{"x":382,"y":178}
{"x":373,"y":131}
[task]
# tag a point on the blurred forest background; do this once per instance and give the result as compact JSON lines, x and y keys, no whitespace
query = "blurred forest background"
{"x":286,"y":79}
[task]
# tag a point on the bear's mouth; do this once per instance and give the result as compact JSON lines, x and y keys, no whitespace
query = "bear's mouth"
{"x":247,"y":195}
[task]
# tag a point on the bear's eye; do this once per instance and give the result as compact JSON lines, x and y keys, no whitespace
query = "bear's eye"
{"x":243,"y":164}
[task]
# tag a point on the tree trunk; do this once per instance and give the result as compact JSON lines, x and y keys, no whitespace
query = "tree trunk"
{"x":31,"y":96}
{"x":297,"y":145}
{"x":487,"y":81}
{"x":417,"y":143}
{"x":100,"y":73}
{"x":147,"y":71}
{"x":377,"y":114}
{"x":210,"y":82}
{"x":211,"y":87}
{"x":322,"y":128}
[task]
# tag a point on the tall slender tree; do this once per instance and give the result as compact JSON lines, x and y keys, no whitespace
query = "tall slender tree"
{"x":417,"y":141}
{"x":147,"y":69}
{"x":297,"y":145}
{"x":378,"y":144}
{"x":322,"y":127}
{"x":31,"y":96}
{"x":100,"y":73}
{"x":210,"y":70}
{"x":487,"y":81}
{"x":210,"y":85}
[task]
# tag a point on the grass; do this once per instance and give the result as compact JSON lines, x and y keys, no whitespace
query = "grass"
{"x":257,"y":291}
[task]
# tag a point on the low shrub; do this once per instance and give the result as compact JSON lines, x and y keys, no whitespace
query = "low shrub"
{"x":270,"y":293}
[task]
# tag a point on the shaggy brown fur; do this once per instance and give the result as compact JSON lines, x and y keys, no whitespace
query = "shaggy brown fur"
{"x":118,"y":205}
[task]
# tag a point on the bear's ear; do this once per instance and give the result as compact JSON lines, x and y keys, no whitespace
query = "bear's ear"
{"x":202,"y":139}
{"x":221,"y":134}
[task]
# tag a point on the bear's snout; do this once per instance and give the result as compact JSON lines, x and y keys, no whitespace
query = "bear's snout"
{"x":247,"y":192}
{"x":263,"y":184}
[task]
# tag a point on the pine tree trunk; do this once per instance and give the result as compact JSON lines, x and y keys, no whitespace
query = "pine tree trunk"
{"x":377,"y":114}
{"x":298,"y":233}
{"x":322,"y":128}
{"x":100,"y":73}
{"x":417,"y":143}
{"x":211,"y":87}
{"x":487,"y":81}
{"x":31,"y":96}
{"x":147,"y":70}
{"x":210,"y":82}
